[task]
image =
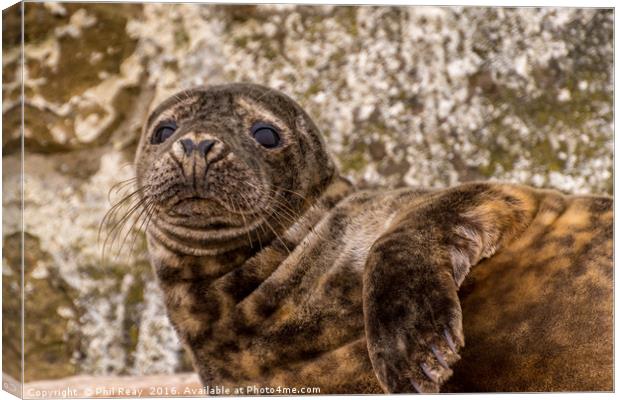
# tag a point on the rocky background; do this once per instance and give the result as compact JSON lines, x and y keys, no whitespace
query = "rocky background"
{"x":404,"y":95}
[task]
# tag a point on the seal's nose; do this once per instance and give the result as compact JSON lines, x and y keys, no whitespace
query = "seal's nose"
{"x":203,"y":146}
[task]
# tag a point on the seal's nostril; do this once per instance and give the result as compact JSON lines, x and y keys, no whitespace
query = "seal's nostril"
{"x":204,"y":146}
{"x":188,"y":146}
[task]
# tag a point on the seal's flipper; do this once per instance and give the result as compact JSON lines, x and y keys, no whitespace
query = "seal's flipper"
{"x":412,"y":313}
{"x":412,"y":317}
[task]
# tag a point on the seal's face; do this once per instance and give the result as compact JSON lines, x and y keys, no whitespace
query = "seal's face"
{"x":228,"y":160}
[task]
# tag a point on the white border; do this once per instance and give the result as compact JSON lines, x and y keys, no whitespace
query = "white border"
{"x":555,"y":3}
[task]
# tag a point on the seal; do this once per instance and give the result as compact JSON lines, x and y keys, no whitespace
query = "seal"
{"x":278,"y":273}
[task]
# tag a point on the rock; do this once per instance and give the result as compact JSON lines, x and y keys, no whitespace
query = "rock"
{"x":404,"y":95}
{"x":50,"y":336}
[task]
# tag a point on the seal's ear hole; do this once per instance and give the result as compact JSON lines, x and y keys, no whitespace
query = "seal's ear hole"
{"x":265,"y":134}
{"x":163,"y":132}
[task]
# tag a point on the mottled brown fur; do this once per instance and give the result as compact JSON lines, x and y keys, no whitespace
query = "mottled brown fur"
{"x":276,"y":271}
{"x":550,"y":312}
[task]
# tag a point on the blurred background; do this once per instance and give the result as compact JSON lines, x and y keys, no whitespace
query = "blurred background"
{"x":404,"y":96}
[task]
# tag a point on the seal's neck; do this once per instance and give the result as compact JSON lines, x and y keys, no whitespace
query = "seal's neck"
{"x":172,"y":266}
{"x":201,"y":292}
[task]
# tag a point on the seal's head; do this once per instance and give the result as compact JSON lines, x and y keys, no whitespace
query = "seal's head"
{"x":218,"y":164}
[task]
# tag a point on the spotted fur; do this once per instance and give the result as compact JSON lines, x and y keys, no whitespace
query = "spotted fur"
{"x":277,"y":271}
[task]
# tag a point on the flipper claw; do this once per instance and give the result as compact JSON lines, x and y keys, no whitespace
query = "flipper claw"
{"x":440,"y":358}
{"x":428,"y":372}
{"x":416,"y":386}
{"x":449,"y":340}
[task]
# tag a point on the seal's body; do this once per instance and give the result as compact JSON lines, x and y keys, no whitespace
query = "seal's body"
{"x":278,"y":273}
{"x":538,"y":315}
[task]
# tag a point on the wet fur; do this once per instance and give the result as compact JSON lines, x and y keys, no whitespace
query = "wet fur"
{"x":368,"y":291}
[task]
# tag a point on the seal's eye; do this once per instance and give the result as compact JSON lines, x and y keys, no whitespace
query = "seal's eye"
{"x":163,"y":132}
{"x":266,"y":135}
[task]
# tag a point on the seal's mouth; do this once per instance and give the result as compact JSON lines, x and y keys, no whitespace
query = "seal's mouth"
{"x":195,"y":214}
{"x":192,"y":206}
